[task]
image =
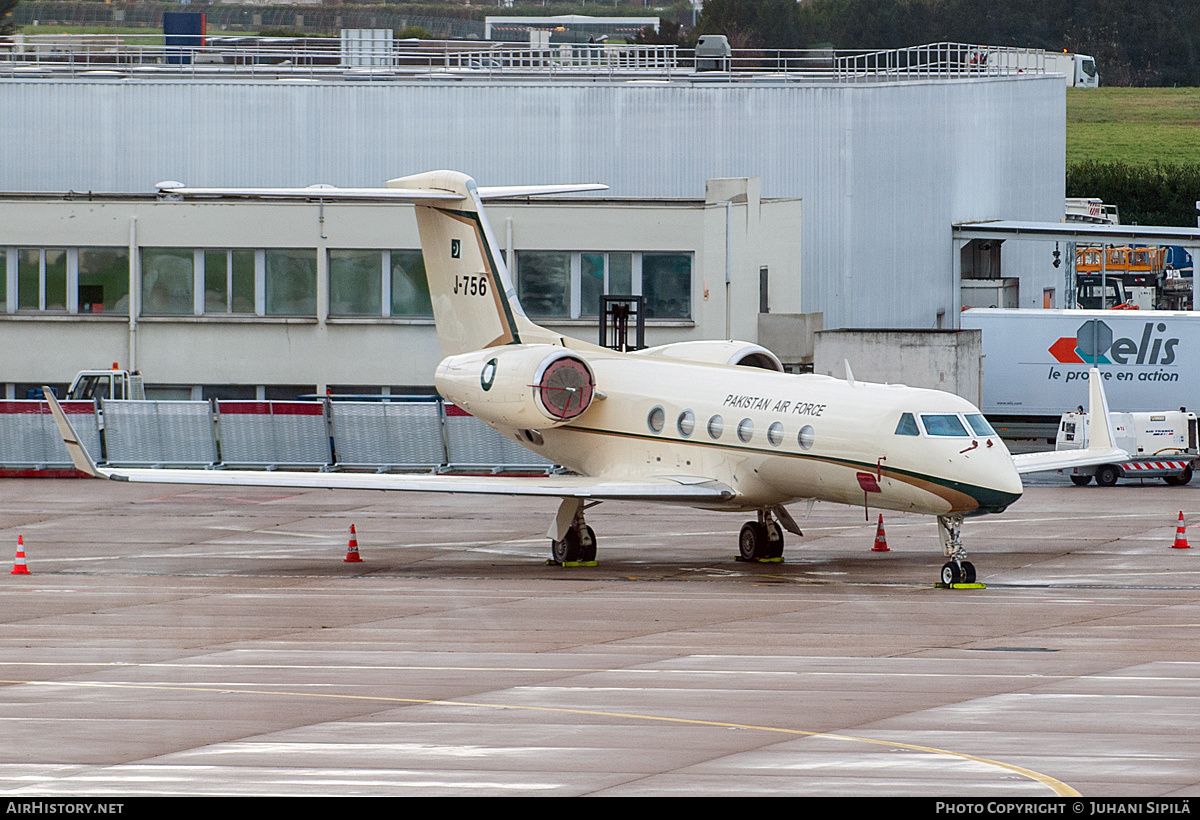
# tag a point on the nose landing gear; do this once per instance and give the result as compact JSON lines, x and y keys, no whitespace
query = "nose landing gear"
{"x":956,"y":571}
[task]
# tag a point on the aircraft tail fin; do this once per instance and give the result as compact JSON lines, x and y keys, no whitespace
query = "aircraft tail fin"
{"x":1101,"y":449}
{"x":474,"y":300}
{"x":1101,"y":435}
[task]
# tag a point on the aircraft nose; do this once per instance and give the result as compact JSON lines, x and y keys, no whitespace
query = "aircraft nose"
{"x":1002,"y":487}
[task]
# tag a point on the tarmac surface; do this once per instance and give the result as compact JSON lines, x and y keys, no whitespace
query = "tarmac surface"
{"x":176,"y":640}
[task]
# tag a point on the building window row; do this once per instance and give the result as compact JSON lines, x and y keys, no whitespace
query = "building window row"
{"x":207,"y":281}
{"x":378,"y":283}
{"x":569,"y":284}
{"x":362,"y":283}
{"x":71,"y":280}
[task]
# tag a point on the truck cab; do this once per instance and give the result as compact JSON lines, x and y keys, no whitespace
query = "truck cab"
{"x":1088,"y":288}
{"x":90,"y":385}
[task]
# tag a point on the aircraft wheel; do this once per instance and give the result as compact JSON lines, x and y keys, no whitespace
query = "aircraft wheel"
{"x":568,"y":549}
{"x":587,"y":549}
{"x":1107,"y":475}
{"x":1081,"y":480}
{"x":968,"y":572}
{"x":951,"y":574}
{"x":1181,"y":479}
{"x":752,"y":542}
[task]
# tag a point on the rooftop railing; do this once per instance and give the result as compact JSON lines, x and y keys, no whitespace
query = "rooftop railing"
{"x":221,"y":57}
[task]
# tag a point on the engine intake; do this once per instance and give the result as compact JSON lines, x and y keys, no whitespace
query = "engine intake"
{"x":565,"y":387}
{"x":524,"y":386}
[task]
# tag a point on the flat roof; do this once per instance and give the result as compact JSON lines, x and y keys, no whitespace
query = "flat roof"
{"x":1078,"y":231}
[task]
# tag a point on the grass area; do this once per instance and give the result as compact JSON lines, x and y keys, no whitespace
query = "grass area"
{"x":1138,"y":126}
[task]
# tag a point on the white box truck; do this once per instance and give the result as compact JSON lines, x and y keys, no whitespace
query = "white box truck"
{"x":1036,"y":362}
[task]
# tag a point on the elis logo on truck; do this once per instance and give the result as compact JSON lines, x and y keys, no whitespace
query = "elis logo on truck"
{"x":1093,"y":343}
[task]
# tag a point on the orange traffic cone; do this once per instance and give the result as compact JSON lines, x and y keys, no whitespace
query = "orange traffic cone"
{"x":1180,"y":535}
{"x":352,"y":549}
{"x":880,"y":538}
{"x":20,"y":567}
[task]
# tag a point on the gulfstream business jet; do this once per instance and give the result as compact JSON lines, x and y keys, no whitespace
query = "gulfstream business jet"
{"x":709,"y":424}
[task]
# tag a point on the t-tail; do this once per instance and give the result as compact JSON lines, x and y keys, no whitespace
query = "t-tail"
{"x":475,"y":303}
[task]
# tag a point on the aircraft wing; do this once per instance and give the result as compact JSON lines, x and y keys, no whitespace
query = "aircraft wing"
{"x":1102,"y":448}
{"x":662,"y":489}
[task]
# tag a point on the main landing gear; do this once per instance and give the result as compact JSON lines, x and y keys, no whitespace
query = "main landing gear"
{"x":956,"y":570}
{"x":762,"y":540}
{"x":577,"y":542}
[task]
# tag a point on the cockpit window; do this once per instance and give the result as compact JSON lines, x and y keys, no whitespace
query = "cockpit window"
{"x":907,"y":426}
{"x":943,"y":424}
{"x":980,"y":425}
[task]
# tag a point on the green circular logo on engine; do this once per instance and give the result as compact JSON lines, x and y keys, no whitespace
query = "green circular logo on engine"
{"x":488,"y":375}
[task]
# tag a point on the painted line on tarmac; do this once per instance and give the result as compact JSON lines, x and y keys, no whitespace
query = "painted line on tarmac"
{"x":587,"y":670}
{"x":1057,"y":786}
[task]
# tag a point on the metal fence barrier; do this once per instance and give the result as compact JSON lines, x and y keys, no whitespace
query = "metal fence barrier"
{"x":471,"y":443}
{"x":273,"y":434}
{"x":159,"y":433}
{"x":425,"y":434}
{"x":29,"y":438}
{"x":388,"y":435}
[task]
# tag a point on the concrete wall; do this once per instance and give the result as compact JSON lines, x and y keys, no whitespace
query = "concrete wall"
{"x":943,"y":360}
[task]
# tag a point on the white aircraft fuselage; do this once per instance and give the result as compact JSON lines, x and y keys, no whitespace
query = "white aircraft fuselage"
{"x":741,"y":426}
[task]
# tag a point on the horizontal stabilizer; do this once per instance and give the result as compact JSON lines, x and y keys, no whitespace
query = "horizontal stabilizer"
{"x":1066,"y":459}
{"x":505,"y":191}
{"x":397,"y":194}
{"x":323,"y":192}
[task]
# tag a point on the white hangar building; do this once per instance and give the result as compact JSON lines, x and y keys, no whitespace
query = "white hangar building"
{"x":884,"y":160}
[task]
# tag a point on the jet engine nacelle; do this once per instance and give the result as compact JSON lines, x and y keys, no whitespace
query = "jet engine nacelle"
{"x":744,"y":354}
{"x":524,"y":386}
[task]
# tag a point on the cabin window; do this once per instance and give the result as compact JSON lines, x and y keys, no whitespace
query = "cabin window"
{"x":980,"y":425}
{"x":943,"y":424}
{"x":716,"y":426}
{"x":656,"y":419}
{"x":775,"y":434}
{"x":907,"y":426}
{"x":686,"y":423}
{"x":745,"y":430}
{"x":806,"y":436}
